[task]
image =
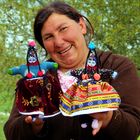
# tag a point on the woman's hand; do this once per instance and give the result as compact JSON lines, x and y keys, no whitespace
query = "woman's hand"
{"x":103,"y":120}
{"x":37,"y":123}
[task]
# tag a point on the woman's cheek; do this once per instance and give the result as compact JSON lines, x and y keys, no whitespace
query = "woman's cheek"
{"x":49,"y":46}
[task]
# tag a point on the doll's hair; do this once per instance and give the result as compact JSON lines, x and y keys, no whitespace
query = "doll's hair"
{"x":60,"y":8}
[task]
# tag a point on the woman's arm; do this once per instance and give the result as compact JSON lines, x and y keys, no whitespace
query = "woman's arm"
{"x":125,"y":122}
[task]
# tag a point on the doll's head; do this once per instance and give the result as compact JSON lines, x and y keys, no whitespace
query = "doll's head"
{"x":33,"y":68}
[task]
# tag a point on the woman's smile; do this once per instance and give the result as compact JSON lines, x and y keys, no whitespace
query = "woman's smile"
{"x":65,"y":50}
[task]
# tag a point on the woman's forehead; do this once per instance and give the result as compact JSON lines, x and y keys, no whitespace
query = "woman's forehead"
{"x":57,"y":20}
{"x":55,"y":16}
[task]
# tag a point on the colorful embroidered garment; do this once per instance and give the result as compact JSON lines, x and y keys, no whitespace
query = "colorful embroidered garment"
{"x":85,"y":90}
{"x":35,"y":97}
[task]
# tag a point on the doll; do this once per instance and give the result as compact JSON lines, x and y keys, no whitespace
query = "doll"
{"x":87,"y":90}
{"x":32,"y":92}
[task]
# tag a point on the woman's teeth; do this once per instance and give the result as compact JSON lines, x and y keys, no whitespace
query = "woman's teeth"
{"x":67,"y":49}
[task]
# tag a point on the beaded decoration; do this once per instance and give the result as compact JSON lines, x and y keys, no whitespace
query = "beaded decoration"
{"x":89,"y":93}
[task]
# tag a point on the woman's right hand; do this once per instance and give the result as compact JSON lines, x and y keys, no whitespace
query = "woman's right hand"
{"x":37,"y":124}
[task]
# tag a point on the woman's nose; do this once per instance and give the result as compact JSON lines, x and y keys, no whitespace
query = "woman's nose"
{"x":59,"y":41}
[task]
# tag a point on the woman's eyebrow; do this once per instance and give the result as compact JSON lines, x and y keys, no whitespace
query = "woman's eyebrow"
{"x":62,"y":24}
{"x":46,"y":34}
{"x":57,"y":28}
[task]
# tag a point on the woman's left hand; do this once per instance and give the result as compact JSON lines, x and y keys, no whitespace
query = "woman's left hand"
{"x":103,"y":120}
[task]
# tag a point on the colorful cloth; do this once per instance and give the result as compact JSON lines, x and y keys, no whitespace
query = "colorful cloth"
{"x":82,"y":91}
{"x":89,"y":94}
{"x":33,"y":97}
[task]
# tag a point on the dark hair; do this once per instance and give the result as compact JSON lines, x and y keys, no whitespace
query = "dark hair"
{"x":55,"y":7}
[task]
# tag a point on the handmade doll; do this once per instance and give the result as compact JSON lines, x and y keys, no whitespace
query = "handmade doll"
{"x":32,"y":92}
{"x":86,"y":90}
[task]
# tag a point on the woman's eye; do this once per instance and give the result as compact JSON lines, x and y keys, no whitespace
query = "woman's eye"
{"x":63,"y":29}
{"x":47,"y":37}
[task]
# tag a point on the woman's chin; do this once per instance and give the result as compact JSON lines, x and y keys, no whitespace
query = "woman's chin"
{"x":69,"y":65}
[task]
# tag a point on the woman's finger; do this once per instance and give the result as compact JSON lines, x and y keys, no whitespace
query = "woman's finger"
{"x":96,"y":130}
{"x":28,"y":119}
{"x":38,"y":121}
{"x":95,"y":124}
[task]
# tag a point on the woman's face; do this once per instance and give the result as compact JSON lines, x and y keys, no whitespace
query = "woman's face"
{"x":64,"y":40}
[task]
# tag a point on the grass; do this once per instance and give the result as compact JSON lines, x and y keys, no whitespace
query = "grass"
{"x":6,"y":100}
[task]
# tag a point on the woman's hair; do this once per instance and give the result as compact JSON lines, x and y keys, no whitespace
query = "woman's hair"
{"x":60,"y":8}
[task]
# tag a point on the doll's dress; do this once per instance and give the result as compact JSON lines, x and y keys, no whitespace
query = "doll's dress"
{"x":33,"y":97}
{"x":85,"y":96}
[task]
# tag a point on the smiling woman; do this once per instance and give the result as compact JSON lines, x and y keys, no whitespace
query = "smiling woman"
{"x":64,"y":41}
{"x":90,"y":89}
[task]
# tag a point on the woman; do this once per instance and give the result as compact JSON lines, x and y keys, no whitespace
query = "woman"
{"x":65,"y":35}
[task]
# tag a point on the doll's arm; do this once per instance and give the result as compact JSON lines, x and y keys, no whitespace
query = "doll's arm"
{"x":21,"y":70}
{"x":14,"y":70}
{"x":48,"y":65}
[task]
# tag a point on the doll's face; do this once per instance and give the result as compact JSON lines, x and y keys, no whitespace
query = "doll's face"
{"x":32,"y":59}
{"x":91,"y":63}
{"x":64,"y":40}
